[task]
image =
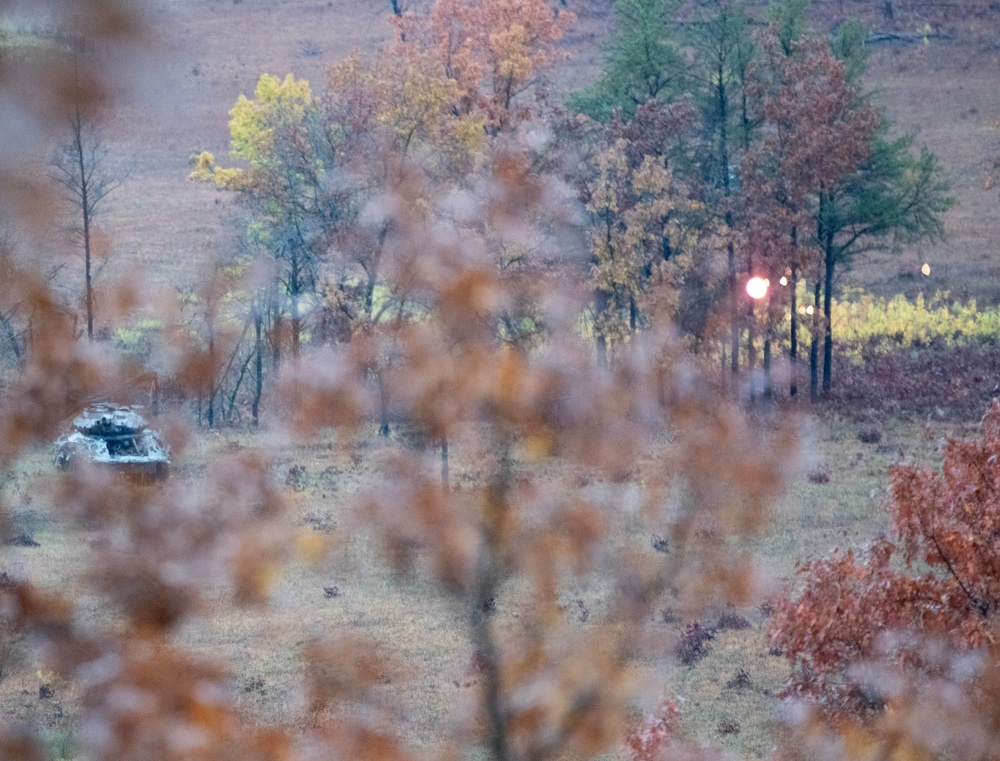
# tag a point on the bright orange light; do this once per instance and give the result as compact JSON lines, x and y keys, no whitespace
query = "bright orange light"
{"x":757,"y":287}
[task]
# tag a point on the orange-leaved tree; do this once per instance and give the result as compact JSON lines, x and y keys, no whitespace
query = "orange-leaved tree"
{"x":862,"y":627}
{"x":494,"y":52}
{"x":542,"y":423}
{"x":816,"y":129}
{"x":512,"y":539}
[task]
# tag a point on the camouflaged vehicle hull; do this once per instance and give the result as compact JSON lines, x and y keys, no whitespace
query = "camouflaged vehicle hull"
{"x":116,"y":437}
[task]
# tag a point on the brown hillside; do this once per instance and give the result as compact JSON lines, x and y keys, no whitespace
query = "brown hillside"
{"x":947,"y":91}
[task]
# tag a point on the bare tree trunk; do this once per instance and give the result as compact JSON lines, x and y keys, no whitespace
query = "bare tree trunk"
{"x":276,"y":330}
{"x":601,"y":301}
{"x":154,"y":394}
{"x":85,"y":210}
{"x":828,"y":314}
{"x":294,"y":292}
{"x":445,"y":479}
{"x":767,"y":363}
{"x":793,"y":338}
{"x":15,"y":344}
{"x":383,"y":403}
{"x":211,"y":386}
{"x":79,"y":167}
{"x":734,"y":311}
{"x":258,"y":389}
{"x":814,"y":345}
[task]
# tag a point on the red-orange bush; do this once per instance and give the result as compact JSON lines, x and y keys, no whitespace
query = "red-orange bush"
{"x":650,"y":739}
{"x":902,"y":603}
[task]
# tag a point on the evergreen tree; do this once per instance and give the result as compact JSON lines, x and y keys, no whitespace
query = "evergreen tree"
{"x":645,"y":61}
{"x":893,"y":197}
{"x":723,"y":49}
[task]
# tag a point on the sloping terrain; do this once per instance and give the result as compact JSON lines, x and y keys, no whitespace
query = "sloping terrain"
{"x":170,"y":230}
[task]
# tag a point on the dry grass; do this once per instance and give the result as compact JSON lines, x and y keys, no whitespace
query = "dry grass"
{"x":945,"y":93}
{"x":428,"y":633}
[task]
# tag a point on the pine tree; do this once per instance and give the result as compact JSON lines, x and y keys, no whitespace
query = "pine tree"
{"x":645,"y":61}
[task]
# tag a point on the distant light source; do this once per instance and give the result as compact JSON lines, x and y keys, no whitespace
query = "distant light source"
{"x":926,"y":269}
{"x":809,"y":309}
{"x":757,"y":287}
{"x":784,"y":280}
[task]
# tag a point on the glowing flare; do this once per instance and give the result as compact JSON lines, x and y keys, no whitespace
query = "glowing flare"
{"x":757,"y":287}
{"x":926,"y":269}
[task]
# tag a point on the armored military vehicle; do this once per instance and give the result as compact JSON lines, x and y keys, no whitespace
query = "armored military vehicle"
{"x":117,"y":437}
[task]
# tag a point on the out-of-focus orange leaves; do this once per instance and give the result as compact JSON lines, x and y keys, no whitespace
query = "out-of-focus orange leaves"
{"x":414,"y":514}
{"x":20,"y":743}
{"x":28,"y":606}
{"x":457,"y":323}
{"x":153,"y":700}
{"x":559,"y":702}
{"x":345,"y":670}
{"x":81,"y":61}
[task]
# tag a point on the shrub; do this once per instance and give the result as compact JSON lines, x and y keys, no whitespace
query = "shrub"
{"x":691,"y":646}
{"x":939,"y":583}
{"x":740,"y":681}
{"x":730,"y":619}
{"x":728,"y":725}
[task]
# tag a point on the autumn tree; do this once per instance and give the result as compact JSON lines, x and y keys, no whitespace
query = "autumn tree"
{"x":158,"y":563}
{"x":724,"y":50}
{"x":892,"y":198}
{"x":161,"y":559}
{"x":934,"y":584}
{"x":455,"y":374}
{"x":696,"y":111}
{"x":638,"y":256}
{"x":493,"y":53}
{"x":889,"y":198}
{"x":547,"y":688}
{"x":844,"y":185}
{"x":816,"y":130}
{"x":288,"y":150}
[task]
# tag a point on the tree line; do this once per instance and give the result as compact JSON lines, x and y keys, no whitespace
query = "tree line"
{"x":708,"y":152}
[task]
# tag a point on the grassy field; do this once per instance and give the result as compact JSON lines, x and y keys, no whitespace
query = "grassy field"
{"x":172,"y":231}
{"x":728,"y":696}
